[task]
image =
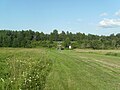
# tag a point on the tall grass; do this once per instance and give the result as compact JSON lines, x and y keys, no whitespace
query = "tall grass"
{"x":24,"y":69}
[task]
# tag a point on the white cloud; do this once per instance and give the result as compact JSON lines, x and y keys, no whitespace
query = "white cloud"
{"x":117,"y":13}
{"x":109,"y":23}
{"x":104,"y":14}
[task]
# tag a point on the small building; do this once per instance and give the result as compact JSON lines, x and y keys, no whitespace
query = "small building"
{"x":70,"y":47}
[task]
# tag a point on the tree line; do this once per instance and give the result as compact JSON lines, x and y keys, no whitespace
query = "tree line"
{"x":29,"y":39}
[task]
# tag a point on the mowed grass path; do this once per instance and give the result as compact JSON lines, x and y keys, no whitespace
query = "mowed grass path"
{"x":73,"y":70}
{"x":45,"y":69}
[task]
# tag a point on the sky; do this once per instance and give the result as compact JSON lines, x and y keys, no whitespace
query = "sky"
{"x":100,"y":17}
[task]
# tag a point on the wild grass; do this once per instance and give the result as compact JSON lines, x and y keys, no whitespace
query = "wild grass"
{"x":23,"y":69}
{"x":45,"y":69}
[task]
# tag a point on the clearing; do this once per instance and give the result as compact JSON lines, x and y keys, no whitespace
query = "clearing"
{"x":45,"y":69}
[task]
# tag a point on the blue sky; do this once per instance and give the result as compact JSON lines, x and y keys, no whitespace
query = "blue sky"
{"x":101,"y":17}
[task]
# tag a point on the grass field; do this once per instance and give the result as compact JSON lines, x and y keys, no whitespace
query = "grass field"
{"x":45,"y":69}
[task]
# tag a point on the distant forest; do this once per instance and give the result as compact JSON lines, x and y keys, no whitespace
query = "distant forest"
{"x":32,"y":39}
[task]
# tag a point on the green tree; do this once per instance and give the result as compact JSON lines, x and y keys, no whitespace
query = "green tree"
{"x":67,"y":42}
{"x":96,"y":44}
{"x":15,"y":42}
{"x":55,"y":35}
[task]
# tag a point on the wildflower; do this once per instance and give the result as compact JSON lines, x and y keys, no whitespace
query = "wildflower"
{"x":29,"y":80}
{"x":25,"y":80}
{"x":2,"y":80}
{"x":11,"y":81}
{"x":37,"y":75}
